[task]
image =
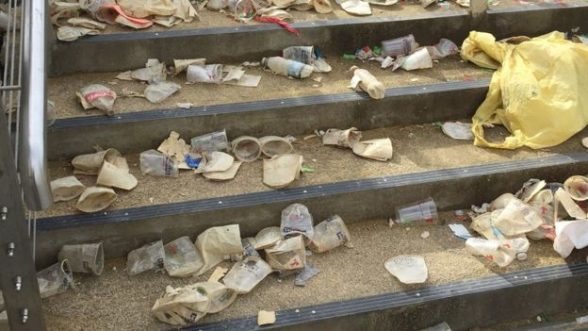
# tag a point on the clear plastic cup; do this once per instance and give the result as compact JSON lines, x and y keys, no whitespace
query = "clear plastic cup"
{"x":424,"y":211}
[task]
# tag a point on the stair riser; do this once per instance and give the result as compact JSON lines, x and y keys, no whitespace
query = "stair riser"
{"x":124,"y":230}
{"x":111,"y":52}
{"x":136,"y":132}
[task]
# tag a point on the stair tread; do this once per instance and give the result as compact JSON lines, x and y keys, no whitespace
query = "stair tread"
{"x":417,"y":148}
{"x":115,"y":300}
{"x":62,"y":90}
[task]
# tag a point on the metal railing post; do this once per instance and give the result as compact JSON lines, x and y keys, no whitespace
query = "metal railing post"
{"x":18,"y":278}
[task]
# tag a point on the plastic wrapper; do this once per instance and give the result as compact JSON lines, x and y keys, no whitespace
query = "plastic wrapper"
{"x":296,"y":219}
{"x":155,"y":163}
{"x":305,"y":275}
{"x":148,"y":257}
{"x":499,"y":252}
{"x":97,"y":96}
{"x":420,"y":59}
{"x":209,"y":73}
{"x":216,"y":243}
{"x":182,"y":259}
{"x":408,"y":269}
{"x":288,"y":254}
{"x":159,"y":91}
{"x":375,"y":149}
{"x":245,"y":275}
{"x":570,"y":235}
{"x":328,"y":234}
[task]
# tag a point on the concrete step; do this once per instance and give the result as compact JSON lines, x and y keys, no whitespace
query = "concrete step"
{"x":353,"y":290}
{"x":110,"y":52}
{"x":426,"y":163}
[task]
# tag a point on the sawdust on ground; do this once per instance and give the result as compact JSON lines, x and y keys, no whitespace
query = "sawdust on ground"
{"x":117,"y":301}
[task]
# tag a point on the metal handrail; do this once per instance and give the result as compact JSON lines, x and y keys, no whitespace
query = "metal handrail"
{"x":32,"y":155}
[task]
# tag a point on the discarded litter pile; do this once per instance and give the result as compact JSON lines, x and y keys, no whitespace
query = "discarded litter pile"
{"x":284,"y":249}
{"x":129,"y":13}
{"x":295,"y":62}
{"x":539,"y":210}
{"x":405,"y":53}
{"x":207,"y":155}
{"x":112,"y":172}
{"x":538,"y":109}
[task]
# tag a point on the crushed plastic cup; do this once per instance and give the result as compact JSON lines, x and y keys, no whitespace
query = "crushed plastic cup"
{"x":408,"y":269}
{"x":577,"y":187}
{"x":210,"y":142}
{"x":296,"y":219}
{"x":90,"y":164}
{"x":342,"y":138}
{"x":96,"y":198}
{"x":424,"y":211}
{"x":188,"y":304}
{"x":246,"y":148}
{"x":274,"y":145}
{"x":155,"y":163}
{"x":66,"y":188}
{"x":303,"y":54}
{"x":182,"y":259}
{"x":529,"y":189}
{"x":55,"y":279}
{"x":420,"y":59}
{"x":249,"y":247}
{"x":282,"y":170}
{"x":399,"y":46}
{"x":148,"y":257}
{"x":288,"y":254}
{"x":218,"y":242}
{"x":84,"y":258}
{"x":267,"y":237}
{"x":245,"y":275}
{"x":112,"y":176}
{"x":328,"y":234}
{"x":209,"y":73}
{"x":367,"y":82}
{"x":517,"y":218}
{"x":375,"y":149}
{"x":444,"y":48}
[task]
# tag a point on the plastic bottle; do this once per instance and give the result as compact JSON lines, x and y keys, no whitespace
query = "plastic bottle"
{"x":285,"y":67}
{"x":367,"y":82}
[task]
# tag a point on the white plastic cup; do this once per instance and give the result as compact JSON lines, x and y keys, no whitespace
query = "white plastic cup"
{"x":423,"y":211}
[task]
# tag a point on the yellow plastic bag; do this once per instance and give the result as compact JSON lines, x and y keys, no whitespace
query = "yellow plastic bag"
{"x":539,"y":91}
